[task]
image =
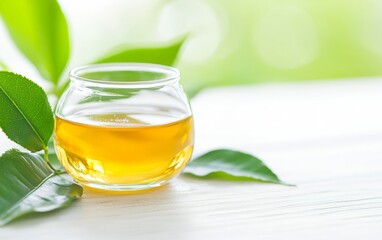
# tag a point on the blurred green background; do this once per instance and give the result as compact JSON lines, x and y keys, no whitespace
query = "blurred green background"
{"x":285,"y":40}
{"x":231,"y":42}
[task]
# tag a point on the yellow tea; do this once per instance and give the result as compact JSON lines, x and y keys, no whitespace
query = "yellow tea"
{"x":120,"y":149}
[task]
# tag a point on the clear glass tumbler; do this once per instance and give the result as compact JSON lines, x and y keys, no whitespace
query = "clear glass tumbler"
{"x":124,"y":126}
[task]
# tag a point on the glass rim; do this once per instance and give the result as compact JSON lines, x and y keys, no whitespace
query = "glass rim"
{"x":170,"y":74}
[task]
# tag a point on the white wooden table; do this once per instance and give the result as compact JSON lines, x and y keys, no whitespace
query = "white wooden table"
{"x":324,"y":136}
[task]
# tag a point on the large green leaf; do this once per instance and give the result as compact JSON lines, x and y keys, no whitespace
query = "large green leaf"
{"x":26,"y":116}
{"x":231,"y":165}
{"x":27,"y":184}
{"x":165,"y":55}
{"x":40,"y":31}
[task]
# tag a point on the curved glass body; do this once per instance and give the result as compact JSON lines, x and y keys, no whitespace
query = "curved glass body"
{"x":124,"y":126}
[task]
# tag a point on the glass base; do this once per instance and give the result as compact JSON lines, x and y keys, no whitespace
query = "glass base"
{"x":125,"y":187}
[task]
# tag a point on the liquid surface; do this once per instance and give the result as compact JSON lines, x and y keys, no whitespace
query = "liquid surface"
{"x":120,"y":149}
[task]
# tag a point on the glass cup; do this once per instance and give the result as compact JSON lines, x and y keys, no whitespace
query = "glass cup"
{"x":124,"y":126}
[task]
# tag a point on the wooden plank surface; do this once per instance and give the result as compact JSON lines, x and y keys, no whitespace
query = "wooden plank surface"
{"x":324,"y":136}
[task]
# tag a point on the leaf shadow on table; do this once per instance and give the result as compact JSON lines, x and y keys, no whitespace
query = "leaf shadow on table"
{"x":104,"y":197}
{"x":32,"y":218}
{"x":223,"y":177}
{"x":166,"y":204}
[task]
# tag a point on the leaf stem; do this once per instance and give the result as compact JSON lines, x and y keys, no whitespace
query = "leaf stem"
{"x":46,"y":158}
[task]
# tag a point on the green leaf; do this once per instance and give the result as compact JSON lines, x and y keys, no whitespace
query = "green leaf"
{"x":26,"y":116}
{"x":231,"y":165}
{"x":27,"y":184}
{"x":40,"y":31}
{"x":61,"y":88}
{"x":165,"y":55}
